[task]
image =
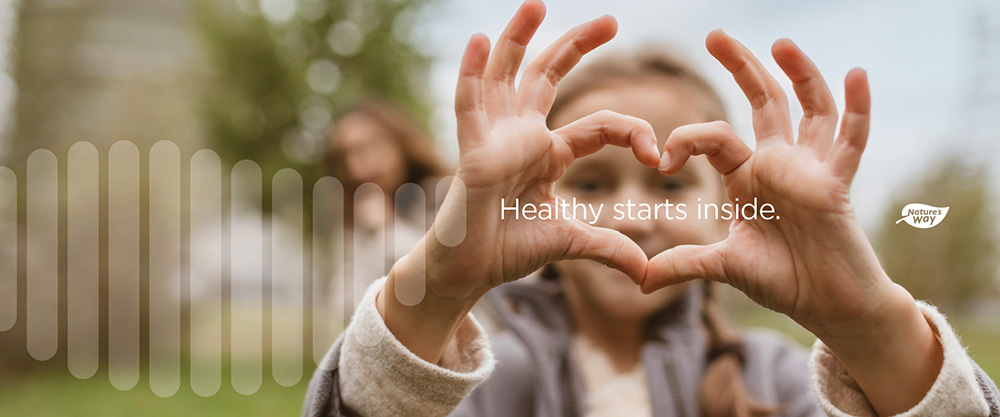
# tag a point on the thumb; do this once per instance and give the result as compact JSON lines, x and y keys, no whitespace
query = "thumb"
{"x":607,"y":246}
{"x":685,"y":263}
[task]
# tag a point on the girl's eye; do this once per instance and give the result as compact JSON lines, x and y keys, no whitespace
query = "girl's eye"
{"x":588,"y":186}
{"x":671,"y":185}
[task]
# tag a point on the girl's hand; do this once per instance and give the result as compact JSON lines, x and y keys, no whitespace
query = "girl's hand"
{"x":507,"y":154}
{"x":813,"y":263}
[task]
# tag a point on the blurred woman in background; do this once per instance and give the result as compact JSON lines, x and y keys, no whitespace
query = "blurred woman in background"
{"x":375,"y":148}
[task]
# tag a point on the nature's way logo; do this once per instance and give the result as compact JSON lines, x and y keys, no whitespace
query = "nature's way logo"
{"x":923,"y":216}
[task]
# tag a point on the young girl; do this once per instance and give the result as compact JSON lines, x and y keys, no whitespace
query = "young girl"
{"x":586,"y":341}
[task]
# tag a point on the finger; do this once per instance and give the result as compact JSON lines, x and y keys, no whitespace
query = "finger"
{"x":589,"y":134}
{"x":819,"y":111}
{"x":770,"y":106}
{"x":469,"y":106}
{"x":538,"y":88}
{"x":509,"y":50}
{"x":607,"y":246}
{"x":845,"y":156}
{"x":685,"y":263}
{"x":716,"y":140}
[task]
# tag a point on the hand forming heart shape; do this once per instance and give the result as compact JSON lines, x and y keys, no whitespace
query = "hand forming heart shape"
{"x":814,"y":264}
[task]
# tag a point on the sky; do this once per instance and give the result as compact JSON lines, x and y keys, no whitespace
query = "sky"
{"x":921,"y":58}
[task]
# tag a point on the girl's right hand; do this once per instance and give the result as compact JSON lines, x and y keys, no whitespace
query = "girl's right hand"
{"x":507,"y":153}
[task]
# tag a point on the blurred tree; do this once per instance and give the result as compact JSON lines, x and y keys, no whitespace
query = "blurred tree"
{"x":956,"y":261}
{"x":285,"y":67}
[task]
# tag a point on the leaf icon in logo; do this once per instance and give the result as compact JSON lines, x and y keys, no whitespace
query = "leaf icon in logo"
{"x":923,"y":216}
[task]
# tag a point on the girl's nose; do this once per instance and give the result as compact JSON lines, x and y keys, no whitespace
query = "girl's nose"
{"x":632,"y":213}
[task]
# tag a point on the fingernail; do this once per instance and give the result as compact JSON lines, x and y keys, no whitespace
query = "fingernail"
{"x":664,"y":162}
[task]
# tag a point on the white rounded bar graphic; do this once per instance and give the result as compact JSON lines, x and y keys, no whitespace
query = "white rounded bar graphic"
{"x":82,"y":260}
{"x":328,"y":260}
{"x":246,"y":277}
{"x":42,"y":312}
{"x":287,"y":277}
{"x":123,"y":265}
{"x":409,"y":226}
{"x":206,"y":249}
{"x":164,"y":268}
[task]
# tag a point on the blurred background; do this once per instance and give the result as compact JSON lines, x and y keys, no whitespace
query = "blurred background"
{"x":264,"y":81}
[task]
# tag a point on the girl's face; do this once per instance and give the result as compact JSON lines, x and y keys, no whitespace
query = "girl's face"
{"x":613,"y":176}
{"x":370,"y":153}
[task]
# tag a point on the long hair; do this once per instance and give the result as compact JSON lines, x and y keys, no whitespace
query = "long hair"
{"x":722,"y":391}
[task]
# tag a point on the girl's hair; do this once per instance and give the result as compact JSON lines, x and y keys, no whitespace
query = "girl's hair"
{"x":649,"y":63}
{"x":406,"y":133}
{"x":722,"y":391}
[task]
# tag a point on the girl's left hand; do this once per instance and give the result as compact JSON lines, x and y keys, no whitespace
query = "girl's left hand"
{"x":813,"y":262}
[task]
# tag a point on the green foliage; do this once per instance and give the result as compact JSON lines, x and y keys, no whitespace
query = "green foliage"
{"x":954,"y":262}
{"x":283,"y":68}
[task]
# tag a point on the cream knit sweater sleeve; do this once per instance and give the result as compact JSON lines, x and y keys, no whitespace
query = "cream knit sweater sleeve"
{"x":955,"y":393}
{"x":380,"y":377}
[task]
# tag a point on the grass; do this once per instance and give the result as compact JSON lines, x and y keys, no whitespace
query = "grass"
{"x":981,"y":335}
{"x":59,"y":394}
